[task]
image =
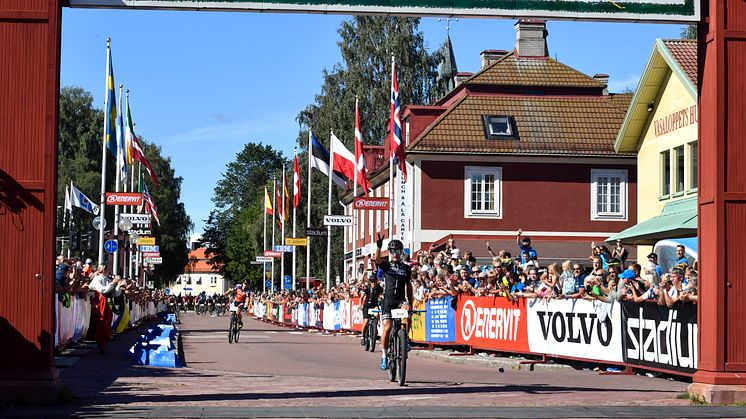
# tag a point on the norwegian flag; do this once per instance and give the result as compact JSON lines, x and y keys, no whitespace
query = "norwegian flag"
{"x":148,"y":204}
{"x":296,"y":181}
{"x":397,"y":145}
{"x":362,"y":171}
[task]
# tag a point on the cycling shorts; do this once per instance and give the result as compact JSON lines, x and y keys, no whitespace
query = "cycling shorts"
{"x":388,"y":305}
{"x":239,"y":304}
{"x":367,"y":315}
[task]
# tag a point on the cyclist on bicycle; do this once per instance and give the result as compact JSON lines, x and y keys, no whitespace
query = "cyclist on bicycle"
{"x":240,"y":300}
{"x":397,"y":292}
{"x":371,"y":294}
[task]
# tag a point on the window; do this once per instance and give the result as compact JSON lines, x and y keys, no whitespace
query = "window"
{"x":483,"y":192}
{"x":679,"y":153}
{"x":608,"y":194}
{"x":499,"y":127}
{"x":361,"y":223}
{"x":693,"y":168}
{"x":199,"y":280}
{"x":178,"y":280}
{"x":189,"y":280}
{"x":666,"y":173}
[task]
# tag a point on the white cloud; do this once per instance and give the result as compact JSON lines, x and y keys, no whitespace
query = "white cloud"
{"x":620,"y":84}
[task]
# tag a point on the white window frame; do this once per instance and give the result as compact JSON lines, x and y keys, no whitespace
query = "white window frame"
{"x":213,"y":281}
{"x":492,"y":170}
{"x":623,"y":194}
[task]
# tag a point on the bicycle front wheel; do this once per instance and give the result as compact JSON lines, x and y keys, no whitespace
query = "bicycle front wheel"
{"x":231,"y":329}
{"x":401,"y":370}
{"x":372,"y":334}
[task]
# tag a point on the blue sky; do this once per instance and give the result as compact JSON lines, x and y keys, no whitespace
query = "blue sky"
{"x":202,"y":84}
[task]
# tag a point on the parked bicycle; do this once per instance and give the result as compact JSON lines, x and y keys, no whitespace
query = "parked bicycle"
{"x":399,"y":346}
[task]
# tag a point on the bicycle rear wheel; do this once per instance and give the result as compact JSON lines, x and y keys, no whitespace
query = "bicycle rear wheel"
{"x":401,"y":370}
{"x":237,"y":332}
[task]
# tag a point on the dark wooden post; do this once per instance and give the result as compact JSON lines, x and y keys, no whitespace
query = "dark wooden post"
{"x":29,"y":82}
{"x":722,"y":202}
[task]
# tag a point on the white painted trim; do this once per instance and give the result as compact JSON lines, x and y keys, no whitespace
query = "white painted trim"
{"x":498,"y":172}
{"x":417,"y":206}
{"x":499,"y":159}
{"x":623,"y":192}
{"x":433,"y":235}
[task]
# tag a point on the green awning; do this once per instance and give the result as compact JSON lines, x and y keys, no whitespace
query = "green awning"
{"x":678,"y":219}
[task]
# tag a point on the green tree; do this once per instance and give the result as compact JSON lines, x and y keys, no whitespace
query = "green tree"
{"x":689,"y":32}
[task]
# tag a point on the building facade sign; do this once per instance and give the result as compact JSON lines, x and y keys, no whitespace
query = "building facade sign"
{"x":676,"y":120}
{"x":638,"y":10}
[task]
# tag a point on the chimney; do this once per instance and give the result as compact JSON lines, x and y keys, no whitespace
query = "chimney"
{"x":531,"y":38}
{"x":461,"y":77}
{"x":490,"y":56}
{"x":603,"y":78}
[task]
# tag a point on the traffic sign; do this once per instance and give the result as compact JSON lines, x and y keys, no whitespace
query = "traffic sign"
{"x":272,"y":254}
{"x":264,"y":259}
{"x":288,"y":282}
{"x":316,"y":232}
{"x":300,"y":241}
{"x":146,"y":241}
{"x":337,"y":220}
{"x":150,"y":248}
{"x":281,"y":248}
{"x":111,"y":246}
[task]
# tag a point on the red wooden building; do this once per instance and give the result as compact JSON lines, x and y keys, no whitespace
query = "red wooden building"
{"x":525,"y":143}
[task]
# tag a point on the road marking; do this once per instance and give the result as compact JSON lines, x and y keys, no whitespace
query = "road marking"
{"x":222,"y":336}
{"x":295,"y":333}
{"x":271,"y":331}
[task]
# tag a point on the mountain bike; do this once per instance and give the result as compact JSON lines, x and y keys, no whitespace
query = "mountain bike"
{"x":233,"y":330}
{"x":397,"y":352}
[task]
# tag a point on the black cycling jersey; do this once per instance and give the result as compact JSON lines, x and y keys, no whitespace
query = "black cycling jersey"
{"x":396,"y":277}
{"x":372,"y":295}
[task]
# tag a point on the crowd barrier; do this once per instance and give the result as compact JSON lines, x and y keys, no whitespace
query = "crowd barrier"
{"x":645,"y":336}
{"x":72,"y":322}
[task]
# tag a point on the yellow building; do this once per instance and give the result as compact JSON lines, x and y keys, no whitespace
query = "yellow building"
{"x":661,"y":127}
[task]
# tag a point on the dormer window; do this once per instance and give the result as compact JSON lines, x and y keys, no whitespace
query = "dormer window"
{"x":499,"y":127}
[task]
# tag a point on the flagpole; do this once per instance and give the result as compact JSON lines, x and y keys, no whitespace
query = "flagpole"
{"x":391,"y":157}
{"x":308,"y":215}
{"x":329,"y":212}
{"x":138,"y":256}
{"x":102,"y":208}
{"x":274,"y":215}
{"x":70,"y":220}
{"x":132,"y":207}
{"x":282,"y":232}
{"x":295,"y":158}
{"x":264,"y":264}
{"x":115,"y":262}
{"x":354,"y":213}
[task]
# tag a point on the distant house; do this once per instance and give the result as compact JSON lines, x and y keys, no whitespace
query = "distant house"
{"x":527,"y":142}
{"x":661,"y":127}
{"x":199,"y":276}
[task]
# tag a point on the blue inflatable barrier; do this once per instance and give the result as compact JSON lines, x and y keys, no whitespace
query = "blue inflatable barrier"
{"x":156,"y":347}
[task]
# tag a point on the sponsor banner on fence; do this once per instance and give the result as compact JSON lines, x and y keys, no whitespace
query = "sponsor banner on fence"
{"x":380,"y":204}
{"x":440,"y":324}
{"x":356,"y":314}
{"x":123,"y":198}
{"x":575,"y":328}
{"x":492,"y":323}
{"x":661,"y":337}
{"x":417,"y":323}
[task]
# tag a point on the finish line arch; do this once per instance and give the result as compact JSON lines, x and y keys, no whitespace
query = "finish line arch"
{"x":30,"y":35}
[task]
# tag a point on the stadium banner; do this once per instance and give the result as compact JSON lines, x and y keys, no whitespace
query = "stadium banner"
{"x":661,"y":337}
{"x":440,"y":321}
{"x":575,"y":328}
{"x":492,"y":323}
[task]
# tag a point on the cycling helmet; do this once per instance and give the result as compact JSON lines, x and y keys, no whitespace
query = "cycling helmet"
{"x":239,"y":286}
{"x":396,"y":246}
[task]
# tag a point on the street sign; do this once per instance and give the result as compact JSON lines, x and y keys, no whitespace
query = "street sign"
{"x":146,"y":241}
{"x":300,"y":241}
{"x":337,"y":220}
{"x":288,"y":282}
{"x":264,"y":259}
{"x":672,"y":11}
{"x":142,"y":219}
{"x":111,"y":246}
{"x":281,"y":248}
{"x":376,"y":204}
{"x":150,"y":248}
{"x":154,"y":261}
{"x":316,"y":232}
{"x":123,"y":198}
{"x":151,"y":254}
{"x":268,"y":284}
{"x":272,"y":254}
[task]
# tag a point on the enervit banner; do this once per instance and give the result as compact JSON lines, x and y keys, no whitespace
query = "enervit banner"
{"x":362,"y":203}
{"x":440,"y":324}
{"x":661,"y":337}
{"x":123,"y":198}
{"x":417,"y":323}
{"x":492,"y":323}
{"x":575,"y":328}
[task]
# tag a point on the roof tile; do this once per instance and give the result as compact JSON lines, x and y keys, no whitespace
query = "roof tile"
{"x":684,"y":51}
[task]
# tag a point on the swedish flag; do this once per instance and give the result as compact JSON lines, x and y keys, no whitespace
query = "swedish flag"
{"x":110,"y":122}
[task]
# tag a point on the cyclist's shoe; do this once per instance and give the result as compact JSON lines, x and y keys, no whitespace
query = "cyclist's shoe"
{"x":409,"y":346}
{"x":363,"y":341}
{"x":240,"y":325}
{"x":384,"y":363}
